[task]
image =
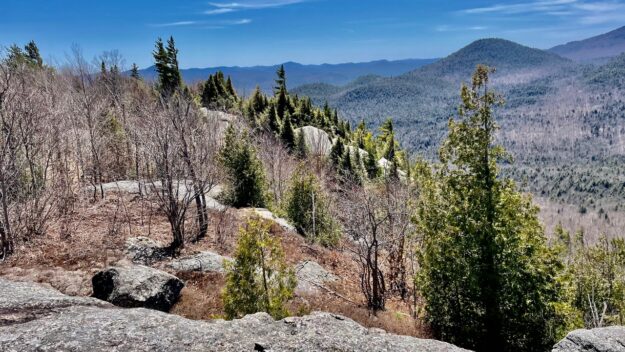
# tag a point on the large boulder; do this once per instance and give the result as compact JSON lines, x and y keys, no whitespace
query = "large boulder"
{"x":311,"y":276}
{"x":82,"y":327}
{"x":608,"y":339}
{"x":201,"y":262}
{"x":137,"y":286}
{"x":317,"y":140}
{"x":144,"y":250}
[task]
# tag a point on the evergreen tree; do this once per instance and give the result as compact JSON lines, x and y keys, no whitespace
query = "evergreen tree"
{"x":486,"y":274}
{"x":32,"y":53}
{"x":259,"y":279}
{"x":280,"y":81}
{"x":230,"y":88}
{"x":210,"y":94}
{"x":134,"y":72}
{"x":172,"y":60}
{"x":272,"y":121}
{"x":371,"y":165}
{"x":282,"y":105}
{"x":301,"y":148}
{"x":245,"y":171}
{"x":287,"y":135}
{"x":337,"y":152}
{"x":308,"y":209}
{"x":166,"y":63}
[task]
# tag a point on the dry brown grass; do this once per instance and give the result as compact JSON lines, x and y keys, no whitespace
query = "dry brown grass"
{"x":97,"y":236}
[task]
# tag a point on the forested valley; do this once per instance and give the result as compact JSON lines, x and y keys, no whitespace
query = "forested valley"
{"x":292,"y":206}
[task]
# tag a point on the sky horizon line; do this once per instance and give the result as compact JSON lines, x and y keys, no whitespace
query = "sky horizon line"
{"x":251,"y":33}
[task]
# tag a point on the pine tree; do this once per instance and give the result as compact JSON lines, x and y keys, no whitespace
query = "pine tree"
{"x":259,"y":279}
{"x":244,"y":170}
{"x":301,"y":148}
{"x":308,"y":209}
{"x":272,"y":120}
{"x":166,"y":63}
{"x":230,"y":89}
{"x":287,"y":135}
{"x":280,"y":81}
{"x":172,"y":60}
{"x":32,"y":53}
{"x":210,"y":93}
{"x":486,"y":274}
{"x":337,"y":152}
{"x":134,"y":72}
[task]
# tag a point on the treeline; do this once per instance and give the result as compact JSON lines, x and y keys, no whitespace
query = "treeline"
{"x":454,"y":240}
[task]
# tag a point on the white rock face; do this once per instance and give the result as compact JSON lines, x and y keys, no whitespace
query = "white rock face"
{"x":310,"y":275}
{"x":385,"y":165}
{"x":317,"y":140}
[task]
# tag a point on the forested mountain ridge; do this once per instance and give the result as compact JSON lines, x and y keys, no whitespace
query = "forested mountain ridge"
{"x":595,"y":49}
{"x":561,"y":121}
{"x":247,"y":78}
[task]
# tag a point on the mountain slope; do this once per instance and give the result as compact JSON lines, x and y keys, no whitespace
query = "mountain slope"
{"x":499,"y":53}
{"x":562,"y":122}
{"x":603,"y":46}
{"x":421,"y":101}
{"x":246,"y":78}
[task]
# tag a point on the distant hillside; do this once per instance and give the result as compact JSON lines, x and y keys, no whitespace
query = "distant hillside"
{"x":422,"y":100}
{"x":246,"y":78}
{"x":596,"y":48}
{"x":499,"y":53}
{"x":609,"y":75}
{"x":562,"y":121}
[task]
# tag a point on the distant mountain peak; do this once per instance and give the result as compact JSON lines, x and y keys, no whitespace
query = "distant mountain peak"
{"x":499,"y":53}
{"x":597,"y":48}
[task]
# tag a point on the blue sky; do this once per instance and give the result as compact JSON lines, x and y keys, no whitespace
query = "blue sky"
{"x":260,"y":32}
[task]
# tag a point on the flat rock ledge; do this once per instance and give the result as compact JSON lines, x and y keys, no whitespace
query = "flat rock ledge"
{"x":137,"y":286}
{"x":608,"y":339}
{"x":201,"y":262}
{"x":88,"y":325}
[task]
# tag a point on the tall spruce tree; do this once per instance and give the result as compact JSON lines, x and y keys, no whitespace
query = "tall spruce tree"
{"x":287,"y":135}
{"x":32,"y":52}
{"x":244,"y":170}
{"x":134,"y":72}
{"x":486,"y":275}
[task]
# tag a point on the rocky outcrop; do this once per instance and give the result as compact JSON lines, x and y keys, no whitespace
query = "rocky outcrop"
{"x":143,"y":250}
{"x":25,"y":301}
{"x":317,"y":140}
{"x":99,"y":327}
{"x":137,"y":286}
{"x":201,"y":262}
{"x":69,"y":282}
{"x":268,"y":215}
{"x":608,"y":339}
{"x":311,"y":276}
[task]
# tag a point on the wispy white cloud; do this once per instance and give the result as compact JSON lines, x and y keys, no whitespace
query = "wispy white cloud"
{"x":219,"y":11}
{"x":586,"y":12}
{"x":175,"y":24}
{"x":448,"y":28}
{"x":255,"y":4}
{"x":526,"y":7}
{"x":205,"y":24}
